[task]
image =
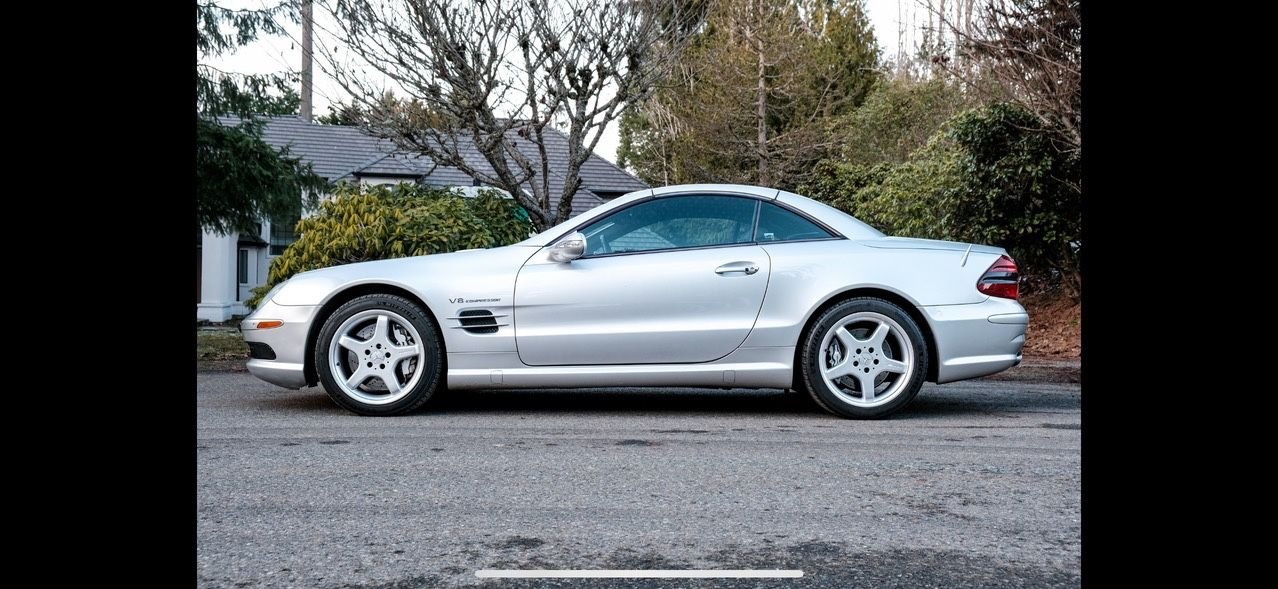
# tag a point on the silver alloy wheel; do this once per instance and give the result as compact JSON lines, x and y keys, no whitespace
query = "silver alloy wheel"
{"x":376,"y":347}
{"x":866,"y":359}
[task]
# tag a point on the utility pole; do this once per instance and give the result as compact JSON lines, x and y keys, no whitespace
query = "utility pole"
{"x":307,"y":24}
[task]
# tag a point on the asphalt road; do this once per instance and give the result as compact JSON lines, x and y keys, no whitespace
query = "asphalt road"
{"x":975,"y":485}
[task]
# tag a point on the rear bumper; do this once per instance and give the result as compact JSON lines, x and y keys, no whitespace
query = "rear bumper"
{"x":977,"y":339}
{"x":288,"y":341}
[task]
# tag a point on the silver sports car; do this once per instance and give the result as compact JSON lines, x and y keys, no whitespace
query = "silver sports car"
{"x":705,"y":285}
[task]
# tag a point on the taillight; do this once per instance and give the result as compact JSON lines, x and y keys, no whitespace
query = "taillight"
{"x":1001,"y":280}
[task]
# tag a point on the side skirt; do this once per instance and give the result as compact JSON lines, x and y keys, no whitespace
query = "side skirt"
{"x":745,"y":367}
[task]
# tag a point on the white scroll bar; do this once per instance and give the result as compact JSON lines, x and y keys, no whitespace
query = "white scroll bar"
{"x":639,"y":573}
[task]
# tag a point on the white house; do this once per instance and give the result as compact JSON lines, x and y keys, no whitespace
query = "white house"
{"x":229,"y":266}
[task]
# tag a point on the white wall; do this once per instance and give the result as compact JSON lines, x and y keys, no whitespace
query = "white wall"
{"x":217,"y":277}
{"x":221,"y":295}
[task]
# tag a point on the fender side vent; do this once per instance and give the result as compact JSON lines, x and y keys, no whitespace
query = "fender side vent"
{"x":478,"y":321}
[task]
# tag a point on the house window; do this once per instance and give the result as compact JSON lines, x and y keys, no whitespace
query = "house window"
{"x":241,"y":267}
{"x":282,"y":234}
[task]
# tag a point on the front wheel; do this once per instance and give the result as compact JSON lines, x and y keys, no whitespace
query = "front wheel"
{"x":379,"y":355}
{"x":864,"y":358}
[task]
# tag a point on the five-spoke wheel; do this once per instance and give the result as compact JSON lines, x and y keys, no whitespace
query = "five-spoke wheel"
{"x":864,"y":357}
{"x":379,"y":355}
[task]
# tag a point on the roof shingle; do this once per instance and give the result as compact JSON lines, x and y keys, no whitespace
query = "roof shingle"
{"x":340,"y":152}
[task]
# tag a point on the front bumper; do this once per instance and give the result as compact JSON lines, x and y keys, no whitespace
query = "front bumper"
{"x":285,"y":374}
{"x":977,"y":339}
{"x":288,"y":341}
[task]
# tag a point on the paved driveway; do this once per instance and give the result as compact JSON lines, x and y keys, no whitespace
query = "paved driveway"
{"x":976,"y":484}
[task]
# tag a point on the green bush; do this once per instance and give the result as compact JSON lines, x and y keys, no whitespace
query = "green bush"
{"x":505,"y":220}
{"x":911,"y":198}
{"x":898,"y":118}
{"x":844,"y":185}
{"x":1019,"y":190}
{"x":990,"y":175}
{"x":362,"y":223}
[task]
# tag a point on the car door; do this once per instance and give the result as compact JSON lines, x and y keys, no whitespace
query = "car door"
{"x":671,"y":279}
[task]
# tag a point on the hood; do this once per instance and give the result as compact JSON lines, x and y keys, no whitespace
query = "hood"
{"x":412,"y":273}
{"x":448,"y":260}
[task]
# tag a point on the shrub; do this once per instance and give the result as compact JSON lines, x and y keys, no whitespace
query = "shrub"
{"x":362,"y":223}
{"x":990,"y":175}
{"x":505,"y":220}
{"x":898,"y":118}
{"x":1019,"y":190}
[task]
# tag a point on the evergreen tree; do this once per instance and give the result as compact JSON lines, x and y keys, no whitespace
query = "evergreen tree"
{"x":752,"y":101}
{"x":239,"y":178}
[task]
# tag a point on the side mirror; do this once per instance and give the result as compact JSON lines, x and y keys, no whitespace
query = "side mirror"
{"x":571,"y":247}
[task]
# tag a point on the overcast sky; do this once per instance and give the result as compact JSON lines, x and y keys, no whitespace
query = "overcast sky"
{"x":284,"y":53}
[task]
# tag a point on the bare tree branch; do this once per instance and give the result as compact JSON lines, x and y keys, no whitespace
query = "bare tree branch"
{"x":485,"y":78}
{"x":1033,"y":49}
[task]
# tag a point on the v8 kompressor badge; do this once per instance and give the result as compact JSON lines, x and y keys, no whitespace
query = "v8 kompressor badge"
{"x":460,"y":300}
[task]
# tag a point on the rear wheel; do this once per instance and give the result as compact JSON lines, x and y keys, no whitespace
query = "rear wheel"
{"x":864,"y":358}
{"x":379,"y":355}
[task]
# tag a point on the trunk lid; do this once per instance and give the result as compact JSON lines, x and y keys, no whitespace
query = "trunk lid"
{"x":913,"y":243}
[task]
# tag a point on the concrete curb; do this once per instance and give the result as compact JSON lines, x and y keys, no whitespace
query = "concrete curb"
{"x":1052,"y":362}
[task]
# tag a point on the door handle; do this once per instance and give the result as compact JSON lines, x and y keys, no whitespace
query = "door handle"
{"x":747,"y":267}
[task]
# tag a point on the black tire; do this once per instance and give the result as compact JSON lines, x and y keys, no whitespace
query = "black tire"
{"x":906,"y":332}
{"x":429,"y":362}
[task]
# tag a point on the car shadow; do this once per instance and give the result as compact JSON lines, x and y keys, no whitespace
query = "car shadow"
{"x":305,"y":400}
{"x":626,"y":400}
{"x":932,"y":403}
{"x":939,"y":407}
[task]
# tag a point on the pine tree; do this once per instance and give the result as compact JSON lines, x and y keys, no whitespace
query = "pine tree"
{"x":239,"y":178}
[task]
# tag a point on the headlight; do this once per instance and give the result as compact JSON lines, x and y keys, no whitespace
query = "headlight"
{"x":270,"y":295}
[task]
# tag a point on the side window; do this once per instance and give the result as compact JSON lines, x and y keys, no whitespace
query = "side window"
{"x":671,"y":223}
{"x":779,"y":224}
